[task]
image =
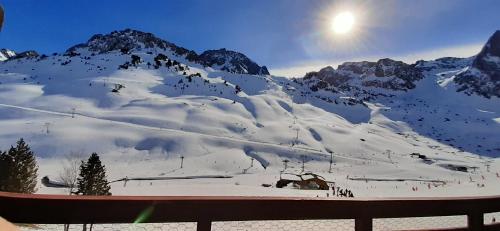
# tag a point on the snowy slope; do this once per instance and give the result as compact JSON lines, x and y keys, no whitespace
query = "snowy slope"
{"x":144,"y":107}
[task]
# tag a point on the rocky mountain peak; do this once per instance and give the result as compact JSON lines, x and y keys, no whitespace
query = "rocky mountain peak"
{"x":385,"y":73}
{"x":324,"y":73}
{"x":129,"y":40}
{"x":483,"y":78}
{"x":26,"y":54}
{"x":126,"y":40}
{"x":231,"y":61}
{"x":6,"y":54}
{"x":327,"y":69}
{"x":488,"y":60}
{"x":492,"y":47}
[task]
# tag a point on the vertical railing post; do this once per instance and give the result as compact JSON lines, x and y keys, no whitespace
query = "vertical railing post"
{"x":363,"y":224}
{"x":475,"y":221}
{"x":203,"y":225}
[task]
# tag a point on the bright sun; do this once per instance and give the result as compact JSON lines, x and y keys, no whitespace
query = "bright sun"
{"x":343,"y":22}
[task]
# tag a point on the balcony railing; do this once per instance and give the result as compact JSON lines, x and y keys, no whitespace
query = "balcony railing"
{"x":59,"y":209}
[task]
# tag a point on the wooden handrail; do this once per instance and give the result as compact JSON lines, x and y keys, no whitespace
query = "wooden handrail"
{"x":61,"y":209}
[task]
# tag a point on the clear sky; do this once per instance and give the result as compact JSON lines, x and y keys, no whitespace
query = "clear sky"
{"x":288,"y":36}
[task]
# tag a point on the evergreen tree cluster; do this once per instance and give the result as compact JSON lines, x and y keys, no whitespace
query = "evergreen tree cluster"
{"x":135,"y":60}
{"x":19,"y":172}
{"x":18,"y":169}
{"x":92,"y":178}
{"x":237,"y":89}
{"x":168,"y":63}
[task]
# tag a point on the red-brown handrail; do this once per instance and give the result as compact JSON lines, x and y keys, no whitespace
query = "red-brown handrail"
{"x":60,"y":209}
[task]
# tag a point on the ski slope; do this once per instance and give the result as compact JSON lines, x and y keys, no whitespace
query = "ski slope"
{"x":65,"y":105}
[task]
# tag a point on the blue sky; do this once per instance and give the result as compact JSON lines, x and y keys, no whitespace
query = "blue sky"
{"x":289,"y":36}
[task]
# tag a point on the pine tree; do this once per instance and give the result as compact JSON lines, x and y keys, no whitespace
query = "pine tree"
{"x":18,"y":169}
{"x":92,"y":179}
{"x":238,"y":89}
{"x":5,"y":170}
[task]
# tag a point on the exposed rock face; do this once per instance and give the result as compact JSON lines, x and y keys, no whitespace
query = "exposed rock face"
{"x":6,"y":54}
{"x":128,"y":40}
{"x":483,"y":78}
{"x":450,"y":63}
{"x":385,"y":73}
{"x":488,"y":59}
{"x":26,"y":54}
{"x":231,"y":61}
{"x":479,"y":74}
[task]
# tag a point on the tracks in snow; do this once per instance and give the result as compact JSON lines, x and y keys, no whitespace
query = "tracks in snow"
{"x":134,"y":125}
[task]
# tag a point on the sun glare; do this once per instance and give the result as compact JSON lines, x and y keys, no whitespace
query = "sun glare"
{"x":343,"y":22}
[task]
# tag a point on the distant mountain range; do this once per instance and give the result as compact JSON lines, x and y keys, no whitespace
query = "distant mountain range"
{"x":482,"y":74}
{"x":128,"y":39}
{"x":221,"y":100}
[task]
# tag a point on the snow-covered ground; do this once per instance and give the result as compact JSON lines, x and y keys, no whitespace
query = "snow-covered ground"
{"x":64,"y":105}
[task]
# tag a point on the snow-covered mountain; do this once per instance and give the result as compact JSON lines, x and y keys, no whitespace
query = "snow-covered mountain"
{"x":231,"y":61}
{"x":425,"y":96}
{"x":125,"y":41}
{"x":363,"y":76}
{"x":142,"y":103}
{"x":483,"y":77}
{"x":128,"y":40}
{"x":6,"y":54}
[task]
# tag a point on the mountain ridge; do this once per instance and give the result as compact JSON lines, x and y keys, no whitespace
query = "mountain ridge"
{"x":144,"y":109}
{"x":482,"y":76}
{"x":128,"y":39}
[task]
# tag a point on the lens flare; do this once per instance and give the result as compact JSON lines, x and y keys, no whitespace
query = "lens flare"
{"x":144,"y":215}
